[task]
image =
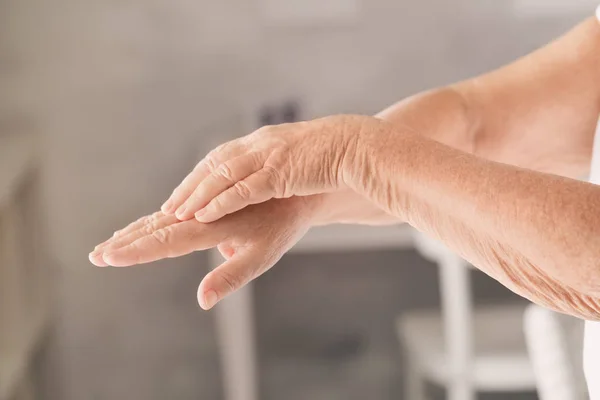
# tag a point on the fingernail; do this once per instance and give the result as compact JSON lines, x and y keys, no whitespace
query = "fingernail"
{"x":96,"y":259}
{"x":201,"y":213}
{"x":181,"y":212}
{"x":210,"y":299}
{"x":95,"y":253}
{"x":107,"y":258}
{"x":167,"y":206}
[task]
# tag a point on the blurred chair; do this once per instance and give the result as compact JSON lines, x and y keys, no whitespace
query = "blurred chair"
{"x":23,"y":281}
{"x":555,"y":344}
{"x":463,"y":348}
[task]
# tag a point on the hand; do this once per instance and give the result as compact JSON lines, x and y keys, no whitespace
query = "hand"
{"x":273,"y":162}
{"x":251,"y":240}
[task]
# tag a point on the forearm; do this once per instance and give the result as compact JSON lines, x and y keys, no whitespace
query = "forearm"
{"x":536,"y":233}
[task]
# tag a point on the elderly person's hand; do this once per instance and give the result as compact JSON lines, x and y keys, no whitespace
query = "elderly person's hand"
{"x":273,"y":162}
{"x":251,"y":240}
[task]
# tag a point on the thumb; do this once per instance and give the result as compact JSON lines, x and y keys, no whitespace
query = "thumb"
{"x":244,"y":266}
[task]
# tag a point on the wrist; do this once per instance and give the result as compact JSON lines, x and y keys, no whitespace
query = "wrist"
{"x":380,"y":164}
{"x":308,"y":209}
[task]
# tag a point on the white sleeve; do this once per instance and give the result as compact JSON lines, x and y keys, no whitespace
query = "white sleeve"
{"x":598,"y":13}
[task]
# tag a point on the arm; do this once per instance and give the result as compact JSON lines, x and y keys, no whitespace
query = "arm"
{"x":539,"y":234}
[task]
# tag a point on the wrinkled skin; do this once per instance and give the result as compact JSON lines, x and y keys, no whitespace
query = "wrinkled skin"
{"x":273,"y":162}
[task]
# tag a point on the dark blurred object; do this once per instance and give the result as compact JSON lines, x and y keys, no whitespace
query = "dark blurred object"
{"x":268,"y":116}
{"x":290,"y":112}
{"x":286,"y":112}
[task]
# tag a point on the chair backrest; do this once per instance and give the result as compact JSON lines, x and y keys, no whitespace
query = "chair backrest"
{"x":555,"y":345}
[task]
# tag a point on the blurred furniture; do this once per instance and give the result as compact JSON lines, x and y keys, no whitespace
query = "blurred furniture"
{"x":463,"y":348}
{"x":235,"y":314}
{"x":23,"y":284}
{"x":555,"y":344}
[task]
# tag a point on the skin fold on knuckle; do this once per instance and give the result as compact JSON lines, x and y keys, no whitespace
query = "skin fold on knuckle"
{"x":231,"y":283}
{"x":275,"y":181}
{"x":150,"y":228}
{"x":243,"y":191}
{"x":224,"y":172}
{"x":162,"y":236}
{"x":211,"y":161}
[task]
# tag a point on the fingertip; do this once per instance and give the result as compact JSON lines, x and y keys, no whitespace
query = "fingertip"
{"x":182,"y":213}
{"x":207,"y":215}
{"x":112,"y":259}
{"x":203,"y":217}
{"x":208,"y":299}
{"x":167,"y":207}
{"x":95,"y":258}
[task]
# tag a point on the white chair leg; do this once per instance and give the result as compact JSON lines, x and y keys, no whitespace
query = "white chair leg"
{"x":414,"y":384}
{"x":235,"y":333}
{"x":458,"y":325}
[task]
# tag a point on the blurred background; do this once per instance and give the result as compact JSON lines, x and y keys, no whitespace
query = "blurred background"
{"x":106,"y":105}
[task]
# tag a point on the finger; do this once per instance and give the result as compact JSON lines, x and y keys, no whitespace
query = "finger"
{"x":172,"y":241}
{"x":152,"y":226}
{"x":186,"y":188}
{"x":95,"y":258}
{"x":232,"y":275}
{"x":129,"y":228}
{"x":201,"y":171}
{"x":132,"y":232}
{"x":225,"y":176}
{"x":139,"y":223}
{"x":257,"y":188}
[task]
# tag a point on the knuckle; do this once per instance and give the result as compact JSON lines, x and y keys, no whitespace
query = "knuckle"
{"x":231,"y":281}
{"x":147,"y":220}
{"x":225,"y":172}
{"x":152,"y":226}
{"x":275,"y":181}
{"x":272,"y":173}
{"x":148,"y":229}
{"x":243,"y":190}
{"x":161,"y":236}
{"x":210,"y":161}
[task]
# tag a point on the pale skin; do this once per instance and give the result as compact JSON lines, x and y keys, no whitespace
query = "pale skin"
{"x":487,"y":166}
